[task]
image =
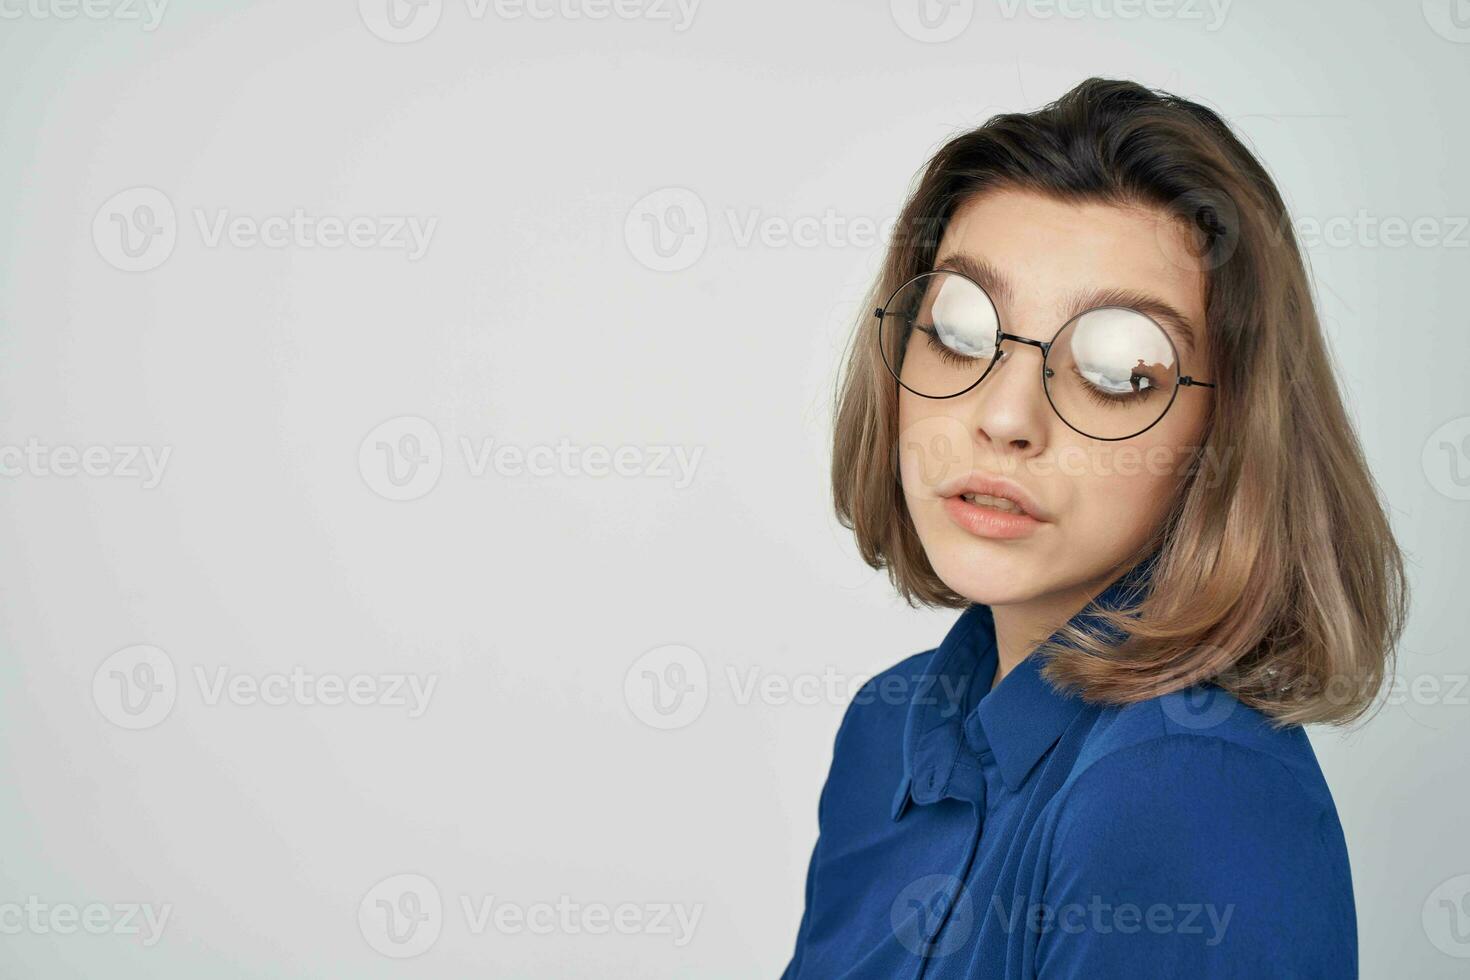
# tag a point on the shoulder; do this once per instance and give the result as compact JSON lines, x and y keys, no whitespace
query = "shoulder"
{"x":934,"y":683}
{"x":941,"y":678}
{"x":1177,"y":804}
{"x":1186,"y":742}
{"x":868,"y":750}
{"x":1199,"y":794}
{"x":874,"y":719}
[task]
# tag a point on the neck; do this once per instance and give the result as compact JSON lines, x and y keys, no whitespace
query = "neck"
{"x":1021,"y":627}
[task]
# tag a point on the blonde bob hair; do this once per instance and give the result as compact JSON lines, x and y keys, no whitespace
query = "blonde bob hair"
{"x":1279,"y":579}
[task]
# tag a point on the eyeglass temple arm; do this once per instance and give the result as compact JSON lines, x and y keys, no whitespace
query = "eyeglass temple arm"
{"x":1186,"y":380}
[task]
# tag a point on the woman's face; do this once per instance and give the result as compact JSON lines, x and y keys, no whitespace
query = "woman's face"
{"x":1091,"y":502}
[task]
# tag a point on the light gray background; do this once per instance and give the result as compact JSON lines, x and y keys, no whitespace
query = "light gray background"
{"x":543,"y":310}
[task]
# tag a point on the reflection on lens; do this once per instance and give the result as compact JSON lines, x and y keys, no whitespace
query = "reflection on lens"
{"x":941,"y":328}
{"x":963,"y":317}
{"x":1111,"y":373}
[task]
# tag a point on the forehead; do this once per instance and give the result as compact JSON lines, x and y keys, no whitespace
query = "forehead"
{"x":1049,"y":249}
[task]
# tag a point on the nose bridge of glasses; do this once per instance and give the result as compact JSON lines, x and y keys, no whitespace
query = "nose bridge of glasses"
{"x":1042,"y":345}
{"x":1020,"y":382}
{"x":1010,"y":406}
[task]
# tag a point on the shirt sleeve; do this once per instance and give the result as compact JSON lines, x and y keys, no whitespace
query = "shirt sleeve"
{"x":1193,"y":856}
{"x":793,"y":967}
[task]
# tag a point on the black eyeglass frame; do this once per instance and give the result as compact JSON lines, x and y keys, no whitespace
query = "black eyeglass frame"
{"x":1045,"y":346}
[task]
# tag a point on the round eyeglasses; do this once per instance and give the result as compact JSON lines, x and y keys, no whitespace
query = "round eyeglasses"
{"x":1110,"y":372}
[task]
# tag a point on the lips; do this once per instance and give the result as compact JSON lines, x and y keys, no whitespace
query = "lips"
{"x":999,"y":503}
{"x":995,"y":493}
{"x":989,"y":522}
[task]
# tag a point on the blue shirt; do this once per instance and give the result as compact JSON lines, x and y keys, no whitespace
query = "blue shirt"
{"x":1022,"y":832}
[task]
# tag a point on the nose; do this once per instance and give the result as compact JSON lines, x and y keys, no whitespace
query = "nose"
{"x":1009,"y":410}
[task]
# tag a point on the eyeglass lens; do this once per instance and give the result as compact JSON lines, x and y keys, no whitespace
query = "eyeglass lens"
{"x":1110,"y":373}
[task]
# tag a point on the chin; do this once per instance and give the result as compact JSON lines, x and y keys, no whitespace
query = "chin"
{"x":993,"y":573}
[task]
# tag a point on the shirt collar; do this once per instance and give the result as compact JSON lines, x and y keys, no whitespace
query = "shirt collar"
{"x":1020,"y":719}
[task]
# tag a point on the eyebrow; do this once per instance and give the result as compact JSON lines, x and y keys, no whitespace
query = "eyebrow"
{"x":994,"y":282}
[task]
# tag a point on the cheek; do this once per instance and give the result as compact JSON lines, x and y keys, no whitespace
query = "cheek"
{"x":913,"y":409}
{"x":1125,"y":494}
{"x":1128,"y":490}
{"x":934,"y":445}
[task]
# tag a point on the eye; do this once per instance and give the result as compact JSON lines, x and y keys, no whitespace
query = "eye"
{"x":1105,"y":390}
{"x":952,"y":350}
{"x":1116,"y":355}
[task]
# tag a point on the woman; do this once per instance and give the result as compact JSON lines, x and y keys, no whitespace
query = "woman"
{"x":1093,"y":408}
